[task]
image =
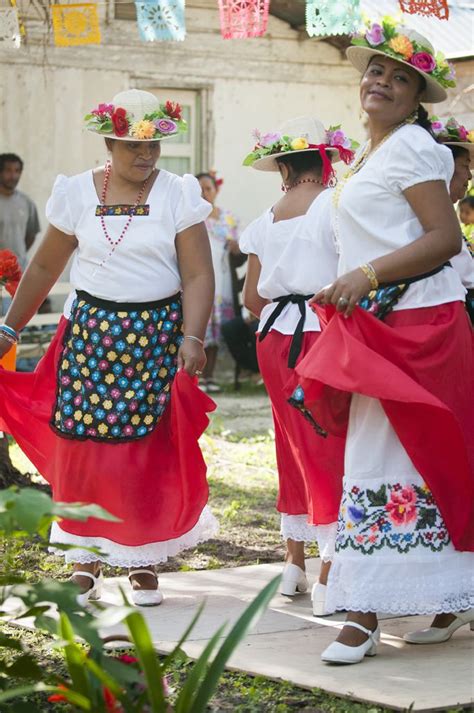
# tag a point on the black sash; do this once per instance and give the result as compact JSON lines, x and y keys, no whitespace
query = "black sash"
{"x":297,"y":339}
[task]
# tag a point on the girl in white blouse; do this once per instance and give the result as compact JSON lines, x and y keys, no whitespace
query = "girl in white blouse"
{"x":292,"y":251}
{"x":105,"y":416}
{"x":405,"y":534}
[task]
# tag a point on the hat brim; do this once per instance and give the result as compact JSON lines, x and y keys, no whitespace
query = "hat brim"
{"x":129,"y":138}
{"x":360,"y":57}
{"x":462,"y":144}
{"x":268,"y":163}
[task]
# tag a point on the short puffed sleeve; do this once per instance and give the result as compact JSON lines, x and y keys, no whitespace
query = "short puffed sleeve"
{"x":58,"y":211}
{"x":251,"y":240}
{"x":414,"y":157}
{"x":191,"y":208}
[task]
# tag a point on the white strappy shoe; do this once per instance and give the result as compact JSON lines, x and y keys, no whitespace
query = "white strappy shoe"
{"x":341,"y":653}
{"x":438,"y":635}
{"x":95,"y":592}
{"x":293,"y":581}
{"x":318,"y":598}
{"x":145,"y":597}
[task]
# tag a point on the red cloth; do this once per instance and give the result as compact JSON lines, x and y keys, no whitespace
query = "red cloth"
{"x":157,"y":484}
{"x":419,"y":363}
{"x":310,"y":468}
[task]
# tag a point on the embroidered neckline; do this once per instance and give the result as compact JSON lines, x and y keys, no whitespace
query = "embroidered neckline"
{"x":122,"y":209}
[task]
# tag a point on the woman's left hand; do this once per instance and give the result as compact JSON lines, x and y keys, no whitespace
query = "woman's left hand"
{"x":191,"y":357}
{"x":345,"y":292}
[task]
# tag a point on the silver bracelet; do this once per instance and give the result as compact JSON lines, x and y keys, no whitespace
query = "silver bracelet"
{"x":195,"y":339}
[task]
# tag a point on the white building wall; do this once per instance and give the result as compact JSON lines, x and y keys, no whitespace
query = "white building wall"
{"x":46,"y":90}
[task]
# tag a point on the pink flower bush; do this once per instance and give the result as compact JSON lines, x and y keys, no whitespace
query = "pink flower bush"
{"x":424,"y":61}
{"x":402,"y":506}
{"x":375,"y":36}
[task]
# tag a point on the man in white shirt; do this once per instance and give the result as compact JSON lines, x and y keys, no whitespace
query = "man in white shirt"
{"x":19,"y":222}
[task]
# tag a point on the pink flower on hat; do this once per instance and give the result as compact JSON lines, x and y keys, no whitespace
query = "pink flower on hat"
{"x":375,"y":35}
{"x":103,"y":110}
{"x":269,"y":139}
{"x":438,"y":127}
{"x":424,"y":61}
{"x":463,"y":133}
{"x":165,"y":126}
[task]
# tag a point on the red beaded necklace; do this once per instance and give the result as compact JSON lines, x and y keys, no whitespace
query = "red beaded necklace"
{"x":115,"y":243}
{"x":285,"y":189}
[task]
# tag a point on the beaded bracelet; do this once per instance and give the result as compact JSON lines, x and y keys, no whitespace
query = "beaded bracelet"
{"x":370,"y":274}
{"x":9,"y":331}
{"x":7,"y":338}
{"x":195,"y":339}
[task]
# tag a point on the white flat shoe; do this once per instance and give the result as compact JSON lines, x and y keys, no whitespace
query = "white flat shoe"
{"x":145,"y":597}
{"x":318,"y":598}
{"x":293,"y":581}
{"x":343,"y":654}
{"x":436,"y":635}
{"x":95,"y":592}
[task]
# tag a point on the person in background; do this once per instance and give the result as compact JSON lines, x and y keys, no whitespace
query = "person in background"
{"x":19,"y":222}
{"x":291,"y":252}
{"x":222,"y":228}
{"x":460,"y":141}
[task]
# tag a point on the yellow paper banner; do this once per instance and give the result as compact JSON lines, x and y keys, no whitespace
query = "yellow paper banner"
{"x":76,"y":24}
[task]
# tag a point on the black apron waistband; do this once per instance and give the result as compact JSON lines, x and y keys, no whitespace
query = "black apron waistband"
{"x":410,"y":280}
{"x":126,"y":306}
{"x":297,"y":339}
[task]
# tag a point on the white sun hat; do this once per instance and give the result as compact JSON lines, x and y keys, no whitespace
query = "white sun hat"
{"x":423,"y":60}
{"x":136,"y":115}
{"x":307,"y":132}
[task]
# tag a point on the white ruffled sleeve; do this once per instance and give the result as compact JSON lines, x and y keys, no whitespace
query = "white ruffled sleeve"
{"x":250,"y":242}
{"x":414,"y":158}
{"x":463,"y":263}
{"x":191,"y":208}
{"x":58,"y":211}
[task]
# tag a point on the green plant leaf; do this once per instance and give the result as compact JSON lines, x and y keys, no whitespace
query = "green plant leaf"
{"x":150,"y":665}
{"x":173,"y":654}
{"x":75,"y":657}
{"x":184,"y":702}
{"x":239,"y":630}
{"x":9,"y":642}
{"x":25,"y":666}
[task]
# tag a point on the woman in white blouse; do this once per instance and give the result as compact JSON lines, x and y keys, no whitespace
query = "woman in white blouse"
{"x":405,"y":534}
{"x":292,"y":253}
{"x":96,"y":417}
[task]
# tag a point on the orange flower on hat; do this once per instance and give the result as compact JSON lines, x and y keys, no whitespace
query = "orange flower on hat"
{"x":143,"y":130}
{"x":402,"y":45}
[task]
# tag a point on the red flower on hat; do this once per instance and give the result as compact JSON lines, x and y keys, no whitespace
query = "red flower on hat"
{"x":120,"y":122}
{"x":174,"y":110}
{"x":10,"y":271}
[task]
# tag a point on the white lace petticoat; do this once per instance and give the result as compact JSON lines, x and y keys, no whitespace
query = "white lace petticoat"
{"x":118,"y":555}
{"x":296,"y":527}
{"x":393,"y":551}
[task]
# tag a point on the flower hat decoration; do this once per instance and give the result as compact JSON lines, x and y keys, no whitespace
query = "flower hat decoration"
{"x":407,"y":46}
{"x":451,"y":132}
{"x":296,"y":136}
{"x":135,"y":115}
{"x":10,"y":271}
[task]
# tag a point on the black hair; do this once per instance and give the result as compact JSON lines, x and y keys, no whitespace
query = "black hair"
{"x":423,"y":118}
{"x":9,"y":158}
{"x":456,"y":150}
{"x":467,"y":200}
{"x":207,"y":175}
{"x":302,"y":162}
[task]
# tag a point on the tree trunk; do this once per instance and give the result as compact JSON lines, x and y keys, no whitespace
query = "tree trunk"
{"x":9,"y":475}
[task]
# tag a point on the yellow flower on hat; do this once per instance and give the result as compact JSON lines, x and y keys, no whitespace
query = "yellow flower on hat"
{"x":470,"y":136}
{"x":402,"y":45}
{"x":299,"y":144}
{"x":143,"y":129}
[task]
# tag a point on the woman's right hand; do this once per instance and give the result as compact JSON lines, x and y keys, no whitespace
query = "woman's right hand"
{"x":4,"y":346}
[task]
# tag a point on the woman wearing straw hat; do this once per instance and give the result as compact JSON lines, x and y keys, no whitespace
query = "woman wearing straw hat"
{"x":292,"y":254}
{"x":406,"y":528}
{"x":107,"y":418}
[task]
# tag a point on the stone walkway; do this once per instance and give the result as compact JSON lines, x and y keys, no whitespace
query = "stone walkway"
{"x":287,"y":641}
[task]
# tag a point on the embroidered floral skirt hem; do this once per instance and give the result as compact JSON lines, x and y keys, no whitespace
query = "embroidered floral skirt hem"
{"x":407,"y":390}
{"x":154,"y":483}
{"x":309,"y":469}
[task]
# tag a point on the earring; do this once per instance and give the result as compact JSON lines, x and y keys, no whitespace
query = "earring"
{"x":413,"y":118}
{"x":284,"y":188}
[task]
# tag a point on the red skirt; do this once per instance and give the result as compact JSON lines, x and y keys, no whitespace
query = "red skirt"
{"x":310,"y":469}
{"x":156,"y":485}
{"x":420,"y":364}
